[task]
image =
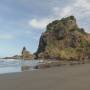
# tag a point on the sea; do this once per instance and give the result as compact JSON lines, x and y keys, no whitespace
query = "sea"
{"x":11,"y":65}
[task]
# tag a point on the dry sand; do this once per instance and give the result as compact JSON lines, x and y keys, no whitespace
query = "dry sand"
{"x":58,"y":78}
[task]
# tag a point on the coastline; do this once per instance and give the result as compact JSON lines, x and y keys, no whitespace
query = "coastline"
{"x":59,"y":63}
{"x":75,"y":77}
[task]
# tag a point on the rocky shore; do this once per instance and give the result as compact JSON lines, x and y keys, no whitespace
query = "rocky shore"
{"x":57,"y":63}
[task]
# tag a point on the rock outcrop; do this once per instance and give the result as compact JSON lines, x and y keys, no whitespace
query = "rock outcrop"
{"x":26,"y":55}
{"x":63,"y":39}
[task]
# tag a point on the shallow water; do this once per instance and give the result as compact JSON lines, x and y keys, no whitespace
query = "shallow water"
{"x":11,"y":65}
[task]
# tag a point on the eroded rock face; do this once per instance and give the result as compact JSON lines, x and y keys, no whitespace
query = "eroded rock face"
{"x":61,"y":36}
{"x":26,"y":55}
{"x":42,"y":43}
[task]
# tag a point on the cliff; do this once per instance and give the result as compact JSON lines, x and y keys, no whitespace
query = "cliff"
{"x":63,"y":39}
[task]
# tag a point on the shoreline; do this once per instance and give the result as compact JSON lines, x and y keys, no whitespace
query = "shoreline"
{"x":37,"y":64}
{"x":59,"y":63}
{"x":75,"y":77}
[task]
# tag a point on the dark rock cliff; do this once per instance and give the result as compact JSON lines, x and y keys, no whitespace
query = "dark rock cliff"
{"x":63,"y":39}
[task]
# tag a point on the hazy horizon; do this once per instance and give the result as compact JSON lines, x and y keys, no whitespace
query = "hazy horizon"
{"x":23,"y":21}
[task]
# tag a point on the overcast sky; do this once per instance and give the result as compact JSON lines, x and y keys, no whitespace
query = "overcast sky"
{"x":23,"y":21}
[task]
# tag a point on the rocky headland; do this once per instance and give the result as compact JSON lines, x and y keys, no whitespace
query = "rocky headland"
{"x":64,"y":40}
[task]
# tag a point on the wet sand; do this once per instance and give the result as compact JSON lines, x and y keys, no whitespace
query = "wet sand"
{"x":75,"y":77}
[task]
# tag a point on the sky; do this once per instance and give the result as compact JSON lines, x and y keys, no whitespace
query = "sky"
{"x":23,"y":21}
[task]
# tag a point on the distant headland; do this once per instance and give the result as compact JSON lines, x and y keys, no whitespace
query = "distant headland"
{"x":25,"y":55}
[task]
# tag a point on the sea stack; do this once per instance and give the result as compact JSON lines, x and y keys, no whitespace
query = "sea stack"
{"x":26,"y":55}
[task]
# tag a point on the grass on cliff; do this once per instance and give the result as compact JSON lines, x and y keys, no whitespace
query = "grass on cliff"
{"x":71,"y":53}
{"x":67,"y":53}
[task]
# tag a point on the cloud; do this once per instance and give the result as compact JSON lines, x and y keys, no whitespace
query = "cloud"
{"x":85,"y":4}
{"x":79,"y":8}
{"x":6,"y":37}
{"x":40,"y":23}
{"x":66,"y":11}
{"x":83,"y":8}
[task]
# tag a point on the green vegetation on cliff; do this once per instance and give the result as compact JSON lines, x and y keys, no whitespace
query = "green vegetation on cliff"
{"x":64,"y":39}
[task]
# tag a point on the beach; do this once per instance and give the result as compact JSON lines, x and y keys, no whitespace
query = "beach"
{"x":75,"y":77}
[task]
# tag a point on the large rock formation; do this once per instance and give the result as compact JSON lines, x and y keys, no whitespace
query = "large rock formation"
{"x":26,"y":55}
{"x":63,"y":39}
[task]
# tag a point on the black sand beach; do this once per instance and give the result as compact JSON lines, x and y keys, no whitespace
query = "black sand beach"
{"x":75,"y":77}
